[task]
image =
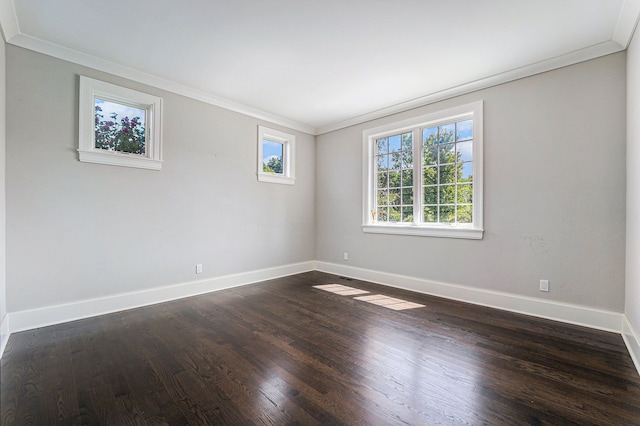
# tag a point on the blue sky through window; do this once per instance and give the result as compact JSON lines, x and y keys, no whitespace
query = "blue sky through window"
{"x":109,"y":108}
{"x":271,"y":149}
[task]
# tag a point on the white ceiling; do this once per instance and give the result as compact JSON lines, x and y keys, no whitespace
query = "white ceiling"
{"x":319,"y":65}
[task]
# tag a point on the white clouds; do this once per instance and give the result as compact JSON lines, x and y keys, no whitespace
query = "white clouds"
{"x":122,"y":111}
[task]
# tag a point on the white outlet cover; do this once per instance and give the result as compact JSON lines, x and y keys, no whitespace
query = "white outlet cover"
{"x":544,"y":285}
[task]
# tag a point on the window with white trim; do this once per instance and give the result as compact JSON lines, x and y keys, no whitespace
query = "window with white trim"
{"x":276,"y":156}
{"x":119,"y":126}
{"x":423,"y":176}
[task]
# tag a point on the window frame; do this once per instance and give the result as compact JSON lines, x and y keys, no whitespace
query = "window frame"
{"x":288,"y":141}
{"x":90,"y":90}
{"x":474,"y":230}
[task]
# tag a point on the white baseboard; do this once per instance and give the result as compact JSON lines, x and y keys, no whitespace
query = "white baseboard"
{"x":49,"y":315}
{"x":632,"y":340}
{"x":4,"y":333}
{"x":573,"y":314}
{"x":564,"y":312}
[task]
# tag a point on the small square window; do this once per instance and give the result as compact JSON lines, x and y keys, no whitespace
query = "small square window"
{"x":119,"y":126}
{"x":276,"y":156}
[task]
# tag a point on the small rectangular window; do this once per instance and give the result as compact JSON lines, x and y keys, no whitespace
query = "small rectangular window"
{"x":119,"y":126}
{"x":276,"y":156}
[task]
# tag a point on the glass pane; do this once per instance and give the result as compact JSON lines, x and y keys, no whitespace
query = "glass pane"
{"x":407,"y":159}
{"x":465,"y":214}
{"x":448,"y":194}
{"x":430,"y":176}
{"x":447,"y":214}
{"x":407,"y":141}
{"x":447,"y":173}
{"x":465,"y":151}
{"x":383,"y":198}
{"x":429,"y":157}
{"x":446,"y":133}
{"x":447,"y":153}
{"x":383,"y":145}
{"x":394,"y":214}
{"x":272,"y":153}
{"x":464,"y":130}
{"x":119,"y":127}
{"x":431,"y":195}
{"x":383,"y":162}
{"x":429,"y":136}
{"x":407,"y":178}
{"x":394,"y":196}
{"x":394,"y":180}
{"x":407,"y":214}
{"x":394,"y":161}
{"x":430,"y":214}
{"x":383,"y":215}
{"x":465,"y":194}
{"x":467,"y":173}
{"x":383,"y":180}
{"x":407,"y":196}
{"x":394,"y":143}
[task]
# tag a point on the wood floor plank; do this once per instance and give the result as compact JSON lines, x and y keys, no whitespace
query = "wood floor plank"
{"x":283,"y":352}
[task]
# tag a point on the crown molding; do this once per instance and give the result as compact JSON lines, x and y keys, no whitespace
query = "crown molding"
{"x":565,"y":60}
{"x":8,"y":19}
{"x":70,"y":55}
{"x":627,"y":22}
{"x":625,"y":27}
{"x":12,"y":35}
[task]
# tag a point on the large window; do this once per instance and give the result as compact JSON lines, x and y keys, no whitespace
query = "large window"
{"x":423,"y":176}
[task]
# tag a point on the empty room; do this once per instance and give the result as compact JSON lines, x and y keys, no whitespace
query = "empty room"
{"x":302,"y":212}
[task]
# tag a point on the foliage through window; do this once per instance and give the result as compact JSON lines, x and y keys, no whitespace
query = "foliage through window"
{"x":119,"y":126}
{"x":276,"y":156}
{"x":272,"y":156}
{"x":123,"y":129}
{"x":424,"y":176}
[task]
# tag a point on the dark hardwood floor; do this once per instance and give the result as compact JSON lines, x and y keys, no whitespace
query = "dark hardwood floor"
{"x":283,"y":352}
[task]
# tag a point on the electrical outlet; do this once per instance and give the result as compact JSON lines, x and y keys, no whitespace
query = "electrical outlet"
{"x":346,"y":256}
{"x":199,"y":268}
{"x":544,"y":285}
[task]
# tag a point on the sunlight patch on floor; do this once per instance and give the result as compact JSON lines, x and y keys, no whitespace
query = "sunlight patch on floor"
{"x":340,"y":289}
{"x":389,"y":302}
{"x":376,"y":299}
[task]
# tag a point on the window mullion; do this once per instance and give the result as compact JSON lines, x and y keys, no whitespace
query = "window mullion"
{"x":417,"y":177}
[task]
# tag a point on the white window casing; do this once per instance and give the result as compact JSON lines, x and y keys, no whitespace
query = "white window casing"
{"x":90,"y":90}
{"x":288,"y":142}
{"x":418,"y":226}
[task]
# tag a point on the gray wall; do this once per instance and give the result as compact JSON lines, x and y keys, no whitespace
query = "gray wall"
{"x":632,"y":299}
{"x":554,"y":187}
{"x":77,"y":231}
{"x":554,"y":149}
{"x":3,"y":291}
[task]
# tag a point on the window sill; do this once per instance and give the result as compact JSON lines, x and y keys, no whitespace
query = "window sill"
{"x":285,"y":180}
{"x":425,"y":231}
{"x":119,"y":159}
